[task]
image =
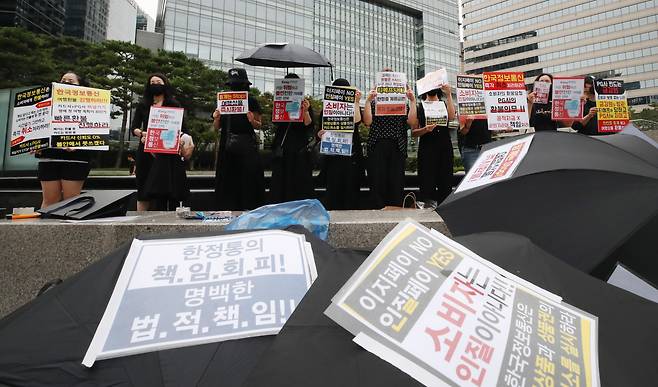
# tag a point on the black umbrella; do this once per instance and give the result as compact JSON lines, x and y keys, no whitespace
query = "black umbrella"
{"x":43,"y":342}
{"x":313,"y":350}
{"x":579,"y":198}
{"x":632,"y":140}
{"x":283,"y":55}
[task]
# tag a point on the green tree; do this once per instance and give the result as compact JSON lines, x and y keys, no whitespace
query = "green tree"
{"x":25,"y":59}
{"x":119,"y":67}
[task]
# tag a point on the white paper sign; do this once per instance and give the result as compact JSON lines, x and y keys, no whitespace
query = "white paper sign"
{"x":436,"y":113}
{"x":431,"y":81}
{"x":233,"y":102}
{"x":496,"y":164}
{"x":566,"y":98}
{"x":30,"y":125}
{"x":443,"y":315}
{"x":288,"y":97}
{"x":336,"y":143}
{"x":542,"y":90}
{"x":506,"y":100}
{"x":174,"y":293}
{"x":391,"y":94}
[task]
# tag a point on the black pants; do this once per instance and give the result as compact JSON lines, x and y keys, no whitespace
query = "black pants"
{"x":292,"y":176}
{"x":239,"y":182}
{"x":344,"y":176}
{"x":435,"y":162}
{"x":386,"y":174}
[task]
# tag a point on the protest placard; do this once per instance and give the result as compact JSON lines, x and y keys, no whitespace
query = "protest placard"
{"x":448,"y":317}
{"x":164,"y":130}
{"x":336,"y":143}
{"x":81,"y":117}
{"x":173,"y":293}
{"x":431,"y":81}
{"x":506,"y":101}
{"x":470,"y":97}
{"x":233,"y":102}
{"x":566,"y":98}
{"x":338,"y":108}
{"x":288,"y":97}
{"x":612,"y":115}
{"x":541,"y":90}
{"x":496,"y":164}
{"x":436,"y":113}
{"x":391,"y":94}
{"x":30,"y":125}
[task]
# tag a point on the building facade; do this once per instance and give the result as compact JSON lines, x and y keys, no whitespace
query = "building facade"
{"x":604,"y":38}
{"x":121,"y":20}
{"x":358,"y":37}
{"x":87,"y":19}
{"x":41,"y":16}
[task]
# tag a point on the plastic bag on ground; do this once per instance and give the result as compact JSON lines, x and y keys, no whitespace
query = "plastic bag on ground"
{"x":309,"y":213}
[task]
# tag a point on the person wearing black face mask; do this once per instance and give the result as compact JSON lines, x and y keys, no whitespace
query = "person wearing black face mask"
{"x":239,"y":179}
{"x":161,"y":178}
{"x":435,"y":156}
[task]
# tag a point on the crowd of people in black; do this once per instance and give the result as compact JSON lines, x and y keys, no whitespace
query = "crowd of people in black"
{"x":240,"y":177}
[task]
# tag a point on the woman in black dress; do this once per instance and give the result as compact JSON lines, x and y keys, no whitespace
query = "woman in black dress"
{"x":344,"y":174}
{"x":435,"y":156}
{"x":239,"y":180}
{"x":161,"y":178}
{"x":292,"y":167}
{"x":62,"y":172}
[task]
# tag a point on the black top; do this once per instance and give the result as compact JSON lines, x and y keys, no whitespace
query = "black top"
{"x":592,"y":127}
{"x":540,"y":117}
{"x":61,"y":154}
{"x":239,"y":123}
{"x":142,"y":112}
{"x":389,"y":128}
{"x":478,"y":134}
{"x":298,"y":135}
{"x":439,"y":132}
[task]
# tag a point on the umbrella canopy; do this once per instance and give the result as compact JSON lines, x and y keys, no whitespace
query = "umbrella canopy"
{"x":312,"y":349}
{"x":577,"y":197}
{"x":632,"y":140}
{"x":43,"y":342}
{"x":282,"y":55}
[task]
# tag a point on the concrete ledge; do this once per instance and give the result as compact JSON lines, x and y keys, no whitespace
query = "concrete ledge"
{"x":38,"y":250}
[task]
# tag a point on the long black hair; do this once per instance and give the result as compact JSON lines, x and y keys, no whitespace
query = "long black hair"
{"x":147,"y":98}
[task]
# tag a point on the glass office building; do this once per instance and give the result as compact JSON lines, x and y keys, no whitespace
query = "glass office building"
{"x":605,"y":38}
{"x":358,"y":37}
{"x":41,"y":16}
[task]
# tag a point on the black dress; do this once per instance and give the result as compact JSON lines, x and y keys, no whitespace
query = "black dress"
{"x":387,"y":152}
{"x":540,"y":117}
{"x":435,"y":161}
{"x":161,"y":178}
{"x":344,"y":176}
{"x":239,"y":180}
{"x":292,"y":166}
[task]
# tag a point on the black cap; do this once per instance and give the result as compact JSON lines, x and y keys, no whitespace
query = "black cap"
{"x":341,"y":82}
{"x":237,"y":76}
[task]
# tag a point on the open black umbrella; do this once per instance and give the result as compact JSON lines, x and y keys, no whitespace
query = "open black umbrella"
{"x":632,"y":140}
{"x":579,"y":198}
{"x":43,"y":342}
{"x":312,"y":350}
{"x":282,"y":55}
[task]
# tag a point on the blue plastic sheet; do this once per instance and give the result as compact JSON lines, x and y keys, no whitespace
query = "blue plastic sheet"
{"x":309,"y":213}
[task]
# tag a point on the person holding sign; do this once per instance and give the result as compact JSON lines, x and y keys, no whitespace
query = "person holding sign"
{"x":292,"y":168}
{"x":62,"y":172}
{"x":539,"y":104}
{"x":435,"y":156}
{"x":387,"y":148}
{"x":344,"y":174}
{"x":239,"y":180}
{"x":161,"y":178}
{"x":589,"y":124}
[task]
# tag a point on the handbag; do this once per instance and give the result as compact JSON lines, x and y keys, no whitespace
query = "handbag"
{"x":236,"y":142}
